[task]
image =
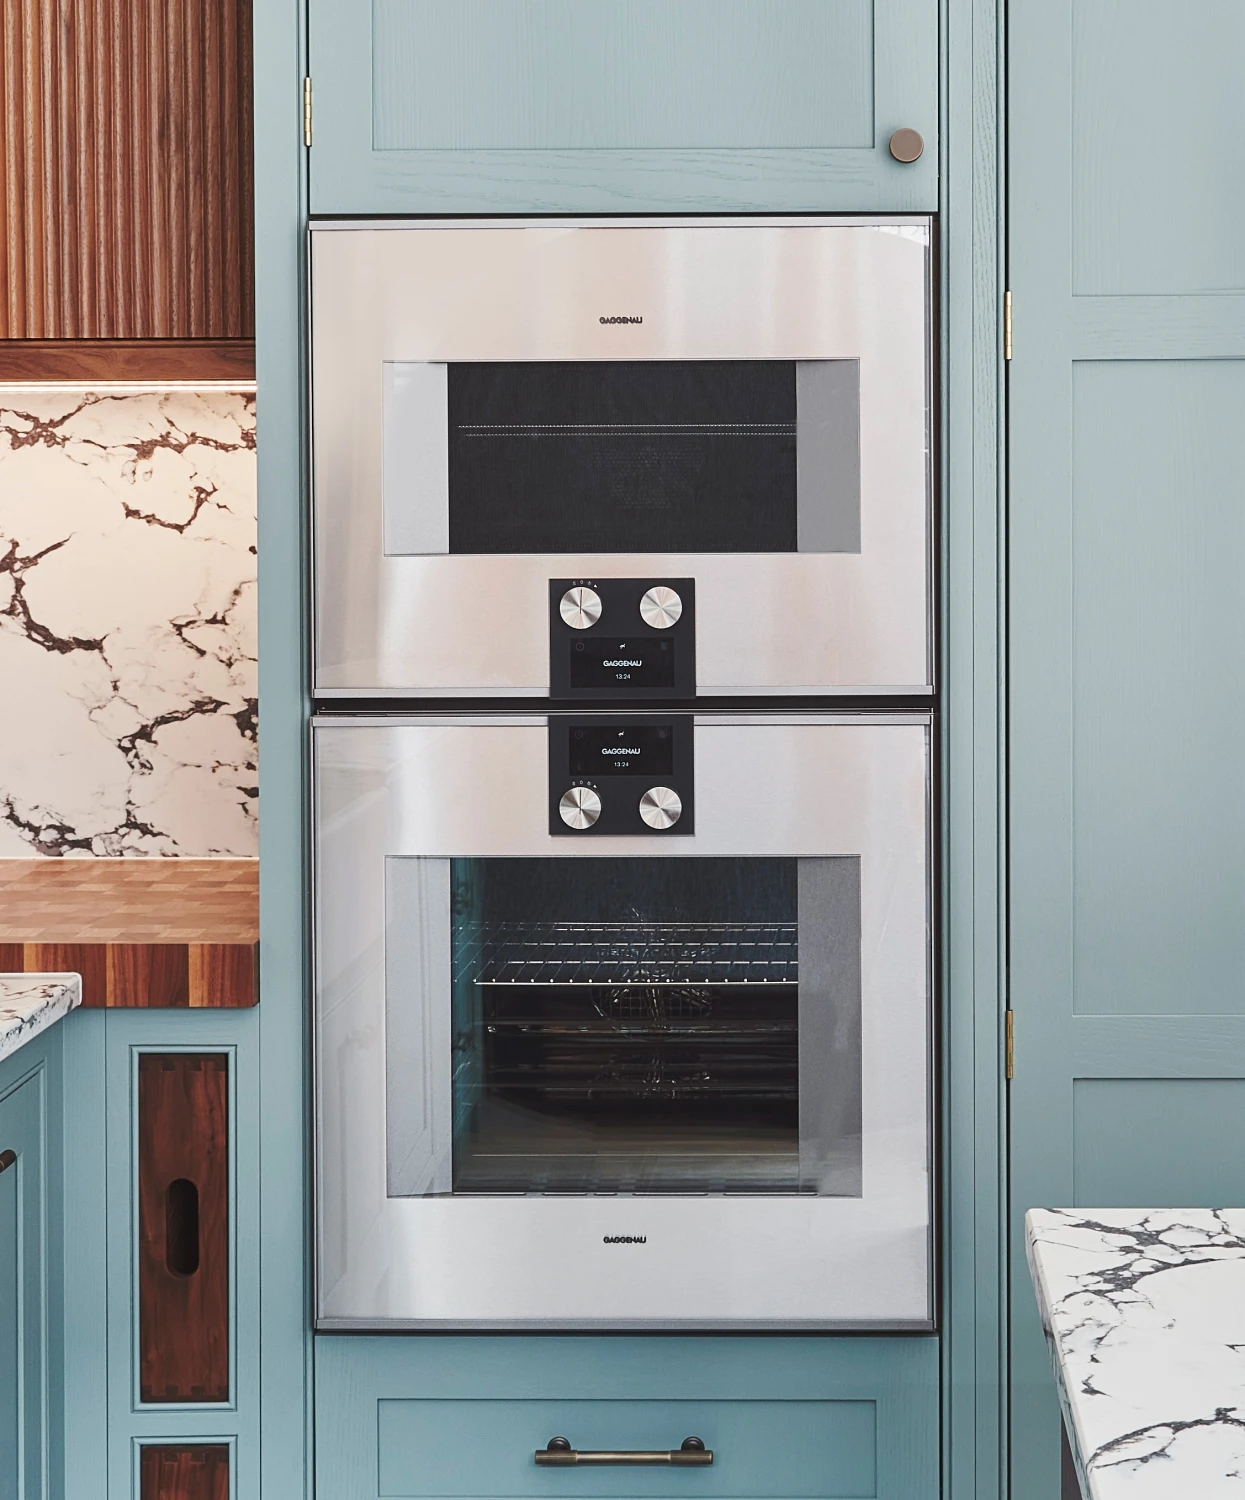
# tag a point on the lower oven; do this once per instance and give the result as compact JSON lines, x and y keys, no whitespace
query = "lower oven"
{"x":623,"y":1021}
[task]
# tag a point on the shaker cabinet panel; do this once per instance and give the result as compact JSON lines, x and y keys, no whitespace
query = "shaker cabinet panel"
{"x":1126,"y":629}
{"x":453,"y":106}
{"x":818,"y":1419}
{"x":23,"y":1291}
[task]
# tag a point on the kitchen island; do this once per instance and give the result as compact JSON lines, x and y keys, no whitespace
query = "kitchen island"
{"x":1144,"y":1312}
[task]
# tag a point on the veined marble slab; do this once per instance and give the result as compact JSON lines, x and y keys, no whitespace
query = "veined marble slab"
{"x":127,"y":622}
{"x":30,"y":1003}
{"x":1144,"y":1311}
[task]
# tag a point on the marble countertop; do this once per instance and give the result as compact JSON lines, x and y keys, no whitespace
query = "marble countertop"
{"x":1144,"y":1311}
{"x":30,"y":1003}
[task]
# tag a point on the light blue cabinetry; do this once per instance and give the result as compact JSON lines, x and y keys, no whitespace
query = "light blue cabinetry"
{"x":815,"y":1417}
{"x":1127,"y":627}
{"x":74,"y":1108}
{"x":610,"y":140}
{"x":529,"y":106}
{"x":29,"y":1260}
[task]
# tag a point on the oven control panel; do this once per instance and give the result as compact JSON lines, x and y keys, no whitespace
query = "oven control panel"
{"x":621,"y":773}
{"x":622,"y":638}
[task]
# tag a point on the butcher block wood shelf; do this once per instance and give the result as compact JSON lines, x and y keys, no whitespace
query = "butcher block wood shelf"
{"x":141,"y":932}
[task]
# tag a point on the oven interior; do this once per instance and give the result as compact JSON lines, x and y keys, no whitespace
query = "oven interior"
{"x":629,"y":1025}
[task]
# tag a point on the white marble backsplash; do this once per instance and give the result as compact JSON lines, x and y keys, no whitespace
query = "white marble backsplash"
{"x":127,"y":622}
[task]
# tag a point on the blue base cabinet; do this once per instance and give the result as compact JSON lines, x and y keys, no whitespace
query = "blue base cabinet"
{"x":816,"y":1418}
{"x":29,"y":1256}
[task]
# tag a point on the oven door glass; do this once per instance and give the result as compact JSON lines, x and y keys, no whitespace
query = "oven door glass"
{"x":624,"y":1026}
{"x":641,"y":456}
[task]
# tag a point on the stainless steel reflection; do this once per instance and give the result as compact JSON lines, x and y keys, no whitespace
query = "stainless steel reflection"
{"x":394,"y":801}
{"x":580,"y":608}
{"x":413,"y":297}
{"x":580,"y":807}
{"x":661,"y":807}
{"x":661,"y":607}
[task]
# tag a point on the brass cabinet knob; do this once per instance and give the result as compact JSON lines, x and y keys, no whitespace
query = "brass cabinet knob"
{"x":906,"y":145}
{"x":7,"y":1159}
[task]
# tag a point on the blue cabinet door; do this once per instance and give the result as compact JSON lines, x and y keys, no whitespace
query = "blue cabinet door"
{"x":525,"y":106}
{"x":24,"y":1435}
{"x":1127,"y":627}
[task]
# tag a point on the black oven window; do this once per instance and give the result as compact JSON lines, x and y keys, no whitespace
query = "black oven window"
{"x":638,"y":1026}
{"x":636,"y":456}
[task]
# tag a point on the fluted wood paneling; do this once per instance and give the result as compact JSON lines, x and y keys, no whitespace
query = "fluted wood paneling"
{"x":125,"y":169}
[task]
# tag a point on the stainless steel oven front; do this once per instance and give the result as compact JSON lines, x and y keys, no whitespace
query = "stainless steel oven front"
{"x":623,"y":1021}
{"x":737,"y":408}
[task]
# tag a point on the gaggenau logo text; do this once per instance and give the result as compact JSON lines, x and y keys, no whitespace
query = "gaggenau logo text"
{"x":622,"y":320}
{"x":624,"y":1239}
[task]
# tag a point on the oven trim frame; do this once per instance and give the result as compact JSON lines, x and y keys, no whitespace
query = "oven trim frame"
{"x":635,"y":563}
{"x":928,"y":720}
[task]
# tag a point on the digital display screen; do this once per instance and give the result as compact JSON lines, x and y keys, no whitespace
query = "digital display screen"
{"x":640,"y":662}
{"x":618,"y":750}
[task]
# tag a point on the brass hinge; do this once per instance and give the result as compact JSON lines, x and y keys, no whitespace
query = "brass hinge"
{"x":1010,"y":1059}
{"x":306,"y":111}
{"x":1007,"y":331}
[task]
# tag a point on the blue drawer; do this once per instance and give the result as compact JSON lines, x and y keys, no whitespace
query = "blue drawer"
{"x":416,"y":1418}
{"x":485,"y":1448}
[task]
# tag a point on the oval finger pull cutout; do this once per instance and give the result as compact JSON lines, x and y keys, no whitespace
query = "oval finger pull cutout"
{"x":181,"y":1227}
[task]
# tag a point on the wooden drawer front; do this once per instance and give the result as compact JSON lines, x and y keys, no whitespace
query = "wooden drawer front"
{"x":761,"y":1448}
{"x":183,"y":1473}
{"x":183,"y":1226}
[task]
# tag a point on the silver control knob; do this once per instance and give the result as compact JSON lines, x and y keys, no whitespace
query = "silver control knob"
{"x":661,"y":807}
{"x":580,"y":807}
{"x":661,"y":607}
{"x":580,"y":607}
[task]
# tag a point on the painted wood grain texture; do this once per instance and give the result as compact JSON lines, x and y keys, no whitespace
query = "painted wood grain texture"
{"x":489,"y":106}
{"x":183,"y":1226}
{"x":125,"y":169}
{"x":1126,"y":629}
{"x":76,"y":360}
{"x":167,"y":1472}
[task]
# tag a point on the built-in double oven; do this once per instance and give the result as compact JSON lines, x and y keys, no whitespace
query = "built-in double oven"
{"x":622,"y":995}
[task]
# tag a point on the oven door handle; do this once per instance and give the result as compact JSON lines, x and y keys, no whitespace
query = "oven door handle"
{"x":558,"y":1454}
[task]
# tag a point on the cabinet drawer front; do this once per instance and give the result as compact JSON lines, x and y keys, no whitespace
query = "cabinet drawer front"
{"x":446,"y":1418}
{"x":485,"y":1448}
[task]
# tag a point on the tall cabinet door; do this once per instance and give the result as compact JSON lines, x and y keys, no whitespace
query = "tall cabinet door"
{"x":524,"y":106}
{"x":1127,"y":627}
{"x":23,"y":1290}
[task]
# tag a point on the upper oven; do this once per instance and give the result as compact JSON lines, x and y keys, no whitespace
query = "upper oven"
{"x":623,"y":1020}
{"x":703,"y":444}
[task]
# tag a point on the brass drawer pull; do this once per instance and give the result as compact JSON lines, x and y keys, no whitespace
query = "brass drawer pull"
{"x":558,"y":1453}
